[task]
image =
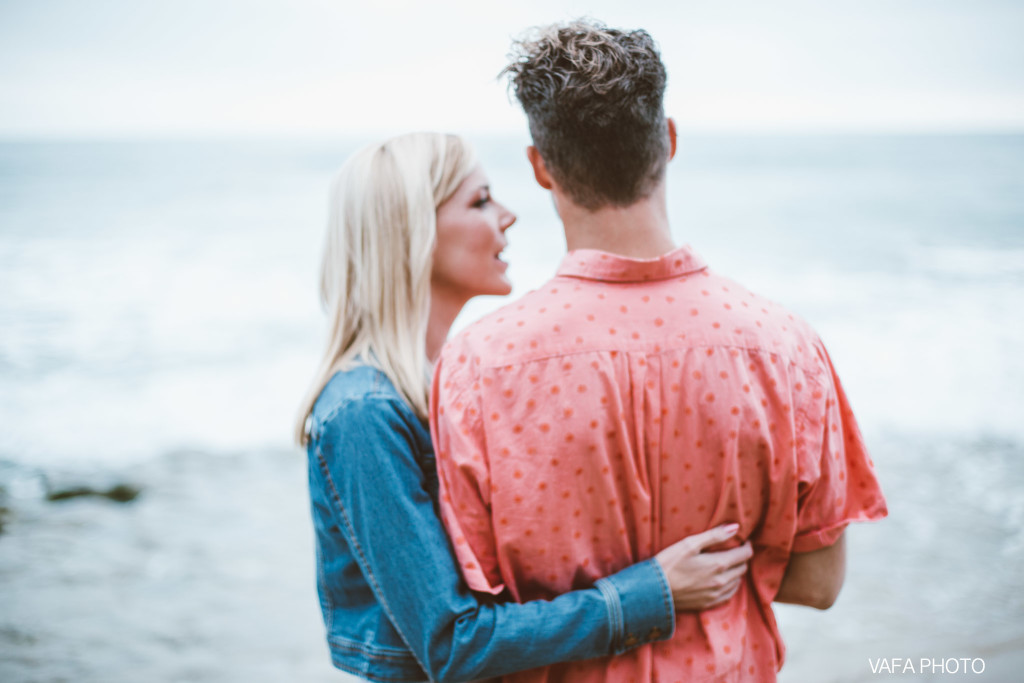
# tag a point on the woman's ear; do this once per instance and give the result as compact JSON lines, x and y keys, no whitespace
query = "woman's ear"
{"x":540,"y":171}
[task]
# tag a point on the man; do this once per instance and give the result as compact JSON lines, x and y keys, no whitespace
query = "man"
{"x":638,"y":397}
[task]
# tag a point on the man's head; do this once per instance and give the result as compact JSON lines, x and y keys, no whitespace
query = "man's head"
{"x":593,"y":96}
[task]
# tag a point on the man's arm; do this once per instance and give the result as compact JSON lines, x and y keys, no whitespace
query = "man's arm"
{"x":814,"y":578}
{"x":837,"y":485}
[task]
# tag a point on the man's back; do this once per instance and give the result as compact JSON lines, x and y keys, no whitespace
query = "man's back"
{"x":623,"y":406}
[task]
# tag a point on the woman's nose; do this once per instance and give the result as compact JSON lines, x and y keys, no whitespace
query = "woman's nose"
{"x":507,"y":219}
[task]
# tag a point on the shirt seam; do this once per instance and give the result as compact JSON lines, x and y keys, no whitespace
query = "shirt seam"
{"x":616,"y":618}
{"x":364,"y":670}
{"x":814,"y":369}
{"x":457,"y":391}
{"x":666,"y":597}
{"x":375,"y":395}
{"x":374,"y":652}
{"x":609,"y":280}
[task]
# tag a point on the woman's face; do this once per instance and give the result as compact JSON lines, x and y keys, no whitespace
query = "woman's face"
{"x":470,"y":237}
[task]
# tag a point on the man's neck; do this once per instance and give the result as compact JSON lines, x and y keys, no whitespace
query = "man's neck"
{"x":640,"y":230}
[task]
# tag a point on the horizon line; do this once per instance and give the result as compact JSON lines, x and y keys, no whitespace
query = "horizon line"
{"x":198,"y":135}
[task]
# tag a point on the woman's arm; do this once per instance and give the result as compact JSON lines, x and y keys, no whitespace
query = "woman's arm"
{"x":364,"y":459}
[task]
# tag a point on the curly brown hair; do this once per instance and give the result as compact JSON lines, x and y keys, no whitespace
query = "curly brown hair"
{"x":593,"y":96}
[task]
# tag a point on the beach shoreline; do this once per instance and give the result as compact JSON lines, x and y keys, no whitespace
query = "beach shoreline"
{"x":208,"y":575}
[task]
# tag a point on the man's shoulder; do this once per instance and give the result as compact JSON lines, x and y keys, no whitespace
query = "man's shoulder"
{"x":496,"y":334}
{"x":758,"y":322}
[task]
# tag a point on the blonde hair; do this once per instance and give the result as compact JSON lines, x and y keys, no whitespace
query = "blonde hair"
{"x":377,"y":259}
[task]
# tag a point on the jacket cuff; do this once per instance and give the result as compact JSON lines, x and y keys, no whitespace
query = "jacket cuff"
{"x":639,"y":603}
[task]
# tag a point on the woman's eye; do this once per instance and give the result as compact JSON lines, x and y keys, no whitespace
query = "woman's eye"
{"x":480,"y":203}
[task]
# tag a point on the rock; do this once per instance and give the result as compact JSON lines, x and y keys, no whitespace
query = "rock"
{"x":119,"y":493}
{"x":123,"y":493}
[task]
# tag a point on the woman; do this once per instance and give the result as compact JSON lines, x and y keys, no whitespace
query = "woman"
{"x":413,"y":235}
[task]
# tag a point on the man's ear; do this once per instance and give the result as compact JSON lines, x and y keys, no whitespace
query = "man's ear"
{"x":671,"y":138}
{"x":540,"y":171}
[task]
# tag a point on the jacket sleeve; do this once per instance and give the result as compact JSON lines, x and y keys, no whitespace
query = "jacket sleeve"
{"x":379,"y":495}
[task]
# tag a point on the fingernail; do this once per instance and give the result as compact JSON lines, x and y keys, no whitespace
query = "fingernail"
{"x":732,"y":528}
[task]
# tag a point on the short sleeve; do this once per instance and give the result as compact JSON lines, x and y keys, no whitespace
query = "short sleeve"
{"x":838,"y":484}
{"x":463,"y":471}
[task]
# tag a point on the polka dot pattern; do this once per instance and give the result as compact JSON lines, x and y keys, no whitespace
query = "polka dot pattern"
{"x":665,"y":400}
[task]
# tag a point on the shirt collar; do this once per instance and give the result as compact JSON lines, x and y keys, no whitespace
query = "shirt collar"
{"x":592,"y":264}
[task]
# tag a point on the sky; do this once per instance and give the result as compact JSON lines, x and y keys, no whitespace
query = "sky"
{"x":111,"y":68}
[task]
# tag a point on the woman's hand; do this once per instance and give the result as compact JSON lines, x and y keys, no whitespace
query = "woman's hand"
{"x":702,"y":579}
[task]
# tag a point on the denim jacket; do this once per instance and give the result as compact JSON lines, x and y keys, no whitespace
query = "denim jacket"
{"x":393,"y":600}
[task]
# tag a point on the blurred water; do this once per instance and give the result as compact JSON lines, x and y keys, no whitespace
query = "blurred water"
{"x":159,"y":321}
{"x":156,"y":295}
{"x":161,"y":295}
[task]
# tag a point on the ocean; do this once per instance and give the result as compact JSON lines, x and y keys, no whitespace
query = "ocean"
{"x":159,"y":322}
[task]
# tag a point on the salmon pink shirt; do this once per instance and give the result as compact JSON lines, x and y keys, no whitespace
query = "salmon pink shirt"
{"x":625,"y":405}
